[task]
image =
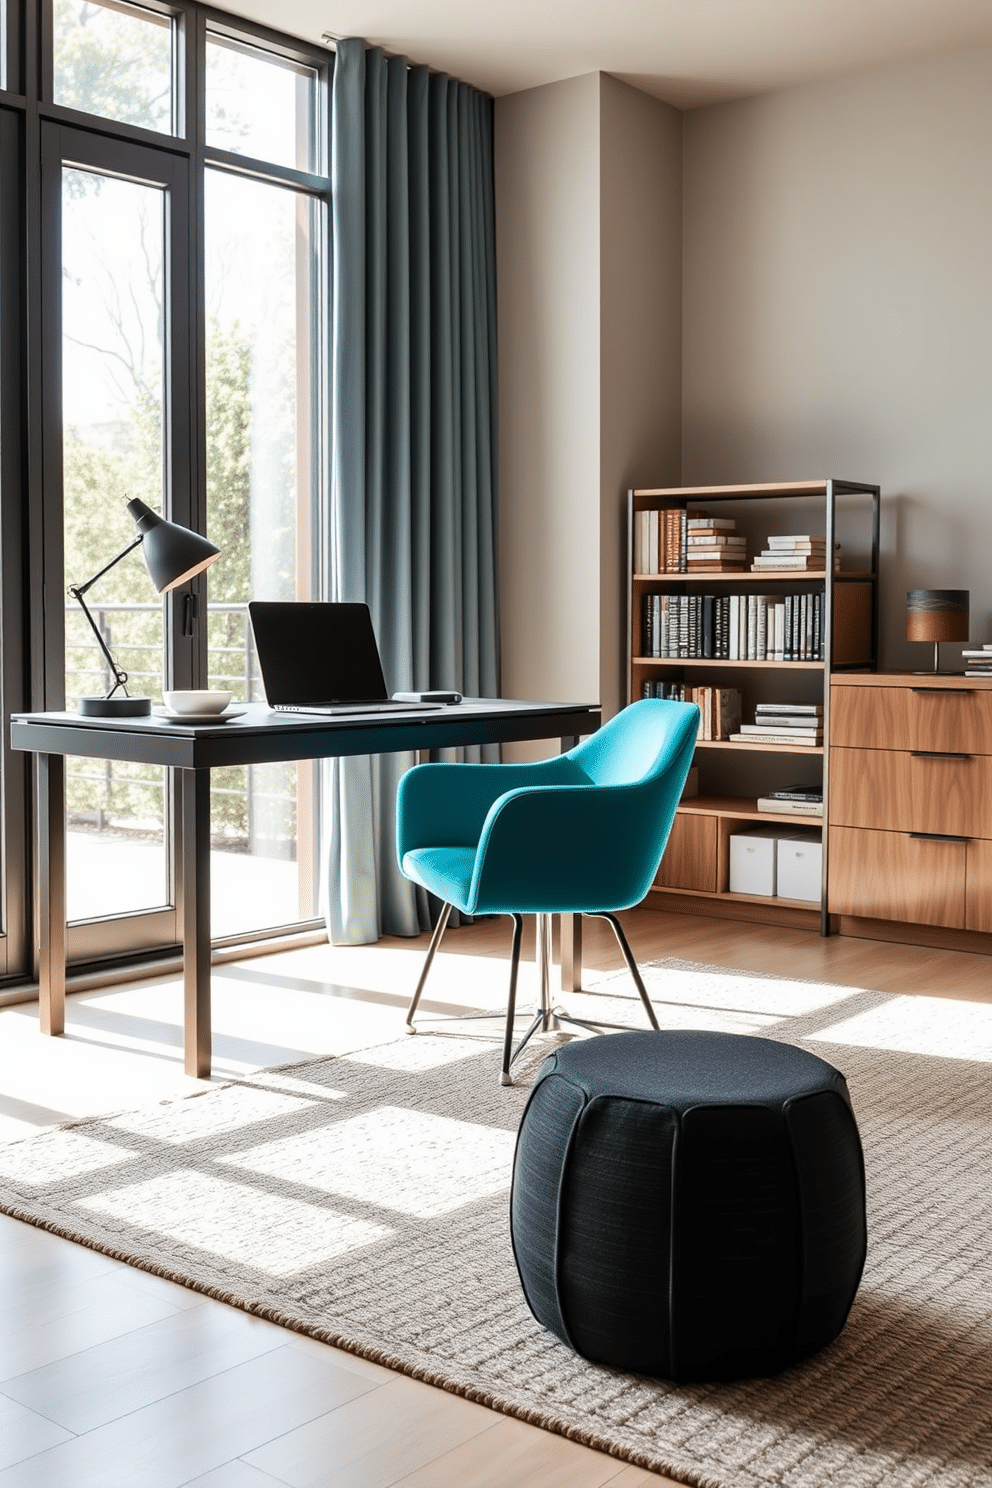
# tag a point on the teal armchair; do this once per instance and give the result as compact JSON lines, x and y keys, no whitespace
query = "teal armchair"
{"x":579,"y":834}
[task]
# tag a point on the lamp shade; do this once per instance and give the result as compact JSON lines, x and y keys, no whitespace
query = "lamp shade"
{"x":937,"y":615}
{"x":173,"y":554}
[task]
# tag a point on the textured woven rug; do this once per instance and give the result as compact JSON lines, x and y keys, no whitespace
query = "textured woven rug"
{"x":363,"y":1200}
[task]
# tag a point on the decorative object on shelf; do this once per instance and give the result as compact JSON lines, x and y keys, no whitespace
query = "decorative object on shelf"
{"x":936,"y":615}
{"x":173,"y":554}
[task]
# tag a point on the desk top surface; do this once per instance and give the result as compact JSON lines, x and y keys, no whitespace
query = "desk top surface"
{"x":262,"y":736}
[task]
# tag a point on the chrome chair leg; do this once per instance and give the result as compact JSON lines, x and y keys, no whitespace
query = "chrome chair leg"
{"x":439,"y":930}
{"x":628,"y":956}
{"x":511,"y":1004}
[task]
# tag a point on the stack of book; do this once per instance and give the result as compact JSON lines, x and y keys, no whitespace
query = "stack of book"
{"x":713,"y":545}
{"x":794,"y":800}
{"x":783,"y":723}
{"x":978,"y":663}
{"x":798,"y":553}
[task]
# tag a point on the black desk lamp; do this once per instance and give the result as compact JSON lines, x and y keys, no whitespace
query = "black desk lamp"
{"x":172,"y":554}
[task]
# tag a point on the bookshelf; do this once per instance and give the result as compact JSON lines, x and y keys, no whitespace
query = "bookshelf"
{"x":694,"y":873}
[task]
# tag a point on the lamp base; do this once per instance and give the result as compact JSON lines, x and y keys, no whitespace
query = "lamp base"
{"x":113,"y":707}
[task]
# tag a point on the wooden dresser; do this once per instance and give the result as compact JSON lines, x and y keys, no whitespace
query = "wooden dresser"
{"x":910,"y":802}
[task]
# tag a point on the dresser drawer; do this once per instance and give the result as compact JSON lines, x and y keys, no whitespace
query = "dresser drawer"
{"x":893,"y":876}
{"x":902,"y":791}
{"x":924,"y":716}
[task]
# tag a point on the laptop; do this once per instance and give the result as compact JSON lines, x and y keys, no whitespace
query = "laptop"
{"x":321,"y":658}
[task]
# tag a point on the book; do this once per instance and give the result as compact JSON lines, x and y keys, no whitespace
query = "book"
{"x":809,"y":735}
{"x":786,"y":561}
{"x":800,"y":540}
{"x":814,"y":708}
{"x":790,"y":808}
{"x":797,"y":793}
{"x":724,"y":523}
{"x":775,"y":722}
{"x":706,"y":539}
{"x":772,"y":738}
{"x":728,"y":712}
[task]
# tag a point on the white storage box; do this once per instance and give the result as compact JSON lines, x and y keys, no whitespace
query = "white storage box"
{"x":800,"y":855}
{"x":753,"y":861}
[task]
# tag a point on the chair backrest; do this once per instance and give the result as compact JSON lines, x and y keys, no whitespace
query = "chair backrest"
{"x":645,"y":740}
{"x":649,"y":747}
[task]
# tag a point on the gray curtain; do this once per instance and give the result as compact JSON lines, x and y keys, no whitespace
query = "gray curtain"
{"x":413,"y":431}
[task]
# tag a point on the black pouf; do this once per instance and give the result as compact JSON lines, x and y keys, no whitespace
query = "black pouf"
{"x":688,"y":1204}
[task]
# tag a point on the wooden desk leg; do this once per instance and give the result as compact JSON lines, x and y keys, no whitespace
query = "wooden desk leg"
{"x":571,"y":927}
{"x":51,"y":892}
{"x":194,"y":901}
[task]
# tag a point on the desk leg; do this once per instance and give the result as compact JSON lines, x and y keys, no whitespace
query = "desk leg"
{"x":195,"y":908}
{"x":51,"y":892}
{"x":571,"y":927}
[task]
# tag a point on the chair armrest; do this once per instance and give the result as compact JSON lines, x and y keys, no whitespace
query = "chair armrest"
{"x":447,"y":805}
{"x":565,"y":849}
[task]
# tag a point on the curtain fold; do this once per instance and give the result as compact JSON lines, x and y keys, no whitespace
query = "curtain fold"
{"x":412,"y":522}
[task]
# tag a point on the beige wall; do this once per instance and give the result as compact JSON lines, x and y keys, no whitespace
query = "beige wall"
{"x":547,"y":258}
{"x":588,"y":213}
{"x":837,"y":310}
{"x":640,"y":336}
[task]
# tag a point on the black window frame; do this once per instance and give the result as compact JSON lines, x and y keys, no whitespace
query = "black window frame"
{"x":30,"y":506}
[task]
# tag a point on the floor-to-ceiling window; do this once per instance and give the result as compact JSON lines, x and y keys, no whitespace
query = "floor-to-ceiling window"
{"x":163,"y":209}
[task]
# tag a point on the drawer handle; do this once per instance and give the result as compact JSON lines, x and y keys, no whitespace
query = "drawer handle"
{"x":937,"y":754}
{"x":942,"y":691}
{"x":938,"y":837}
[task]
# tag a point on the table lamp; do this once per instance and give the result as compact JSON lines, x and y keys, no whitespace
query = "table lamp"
{"x":937,"y":615}
{"x":172,"y":555}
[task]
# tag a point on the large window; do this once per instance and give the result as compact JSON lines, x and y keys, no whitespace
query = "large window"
{"x":174,"y":327}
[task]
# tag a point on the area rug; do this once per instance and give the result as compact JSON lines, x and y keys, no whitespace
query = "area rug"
{"x":363,"y":1200}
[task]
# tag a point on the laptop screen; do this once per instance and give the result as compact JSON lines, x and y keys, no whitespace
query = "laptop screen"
{"x":316,"y":653}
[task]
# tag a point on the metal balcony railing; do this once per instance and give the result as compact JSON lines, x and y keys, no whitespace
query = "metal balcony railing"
{"x":114,"y":796}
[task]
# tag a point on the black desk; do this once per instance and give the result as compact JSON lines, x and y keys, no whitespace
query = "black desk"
{"x":191,"y":751}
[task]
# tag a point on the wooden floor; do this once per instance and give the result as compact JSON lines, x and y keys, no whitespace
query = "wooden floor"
{"x":109,"y":1376}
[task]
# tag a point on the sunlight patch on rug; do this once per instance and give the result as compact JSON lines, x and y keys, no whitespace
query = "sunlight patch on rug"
{"x":225,"y":1218}
{"x":57,"y":1155}
{"x":919,"y":1025}
{"x":424,"y":1051}
{"x":410,"y":1161}
{"x":206,"y":1115}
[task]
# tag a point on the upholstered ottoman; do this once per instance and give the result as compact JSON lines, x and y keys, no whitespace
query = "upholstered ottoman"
{"x":689,"y":1204}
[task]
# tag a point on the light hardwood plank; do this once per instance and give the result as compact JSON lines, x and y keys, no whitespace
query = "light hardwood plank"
{"x":514,"y":1452}
{"x":376,"y":1440}
{"x":195,"y":1430}
{"x":24,"y":1433}
{"x":101,"y":1384}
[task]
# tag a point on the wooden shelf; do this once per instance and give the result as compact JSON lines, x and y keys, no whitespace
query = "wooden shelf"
{"x":720,"y":661}
{"x":761,"y":748}
{"x":728,"y":898}
{"x":776,"y":574}
{"x":743,"y":808}
{"x":754,"y":492}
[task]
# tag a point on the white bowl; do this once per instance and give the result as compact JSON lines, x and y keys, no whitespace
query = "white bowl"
{"x":204,"y":701}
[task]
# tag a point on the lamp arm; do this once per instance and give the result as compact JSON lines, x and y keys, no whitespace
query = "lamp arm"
{"x":119,"y":674}
{"x":78,"y":590}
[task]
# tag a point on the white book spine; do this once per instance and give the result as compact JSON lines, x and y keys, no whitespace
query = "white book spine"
{"x":652,"y":553}
{"x":733,"y":628}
